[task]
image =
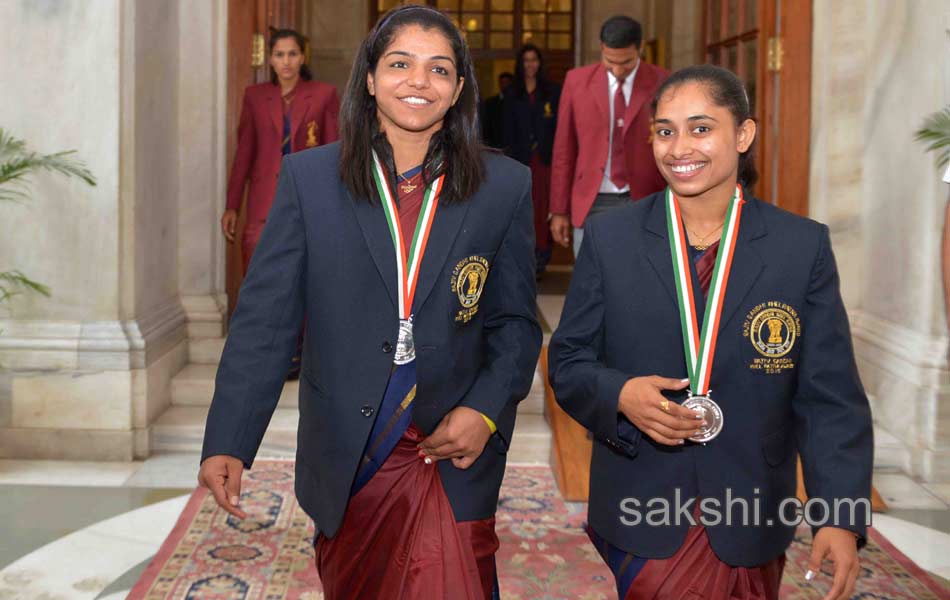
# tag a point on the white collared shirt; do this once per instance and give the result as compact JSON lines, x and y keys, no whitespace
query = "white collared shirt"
{"x":606,"y":185}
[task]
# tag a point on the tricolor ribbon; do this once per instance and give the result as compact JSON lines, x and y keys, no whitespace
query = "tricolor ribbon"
{"x":700,"y":347}
{"x":407,"y":261}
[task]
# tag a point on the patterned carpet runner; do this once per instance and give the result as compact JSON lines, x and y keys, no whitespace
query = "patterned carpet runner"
{"x":544,"y":551}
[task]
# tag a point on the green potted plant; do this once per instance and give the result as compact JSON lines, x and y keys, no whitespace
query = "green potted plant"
{"x":17,"y":163}
{"x":936,"y":133}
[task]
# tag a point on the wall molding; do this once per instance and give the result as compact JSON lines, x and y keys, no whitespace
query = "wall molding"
{"x":907,"y":379}
{"x":92,"y":345}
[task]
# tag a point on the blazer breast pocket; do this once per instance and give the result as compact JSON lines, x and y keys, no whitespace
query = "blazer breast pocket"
{"x":471,"y":275}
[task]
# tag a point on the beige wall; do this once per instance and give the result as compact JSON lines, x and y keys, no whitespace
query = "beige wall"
{"x":685,"y":41}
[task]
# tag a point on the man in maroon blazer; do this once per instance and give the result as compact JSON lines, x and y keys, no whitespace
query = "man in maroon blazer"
{"x":602,"y":153}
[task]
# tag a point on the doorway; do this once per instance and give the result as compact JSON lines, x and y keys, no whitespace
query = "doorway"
{"x":495,"y":29}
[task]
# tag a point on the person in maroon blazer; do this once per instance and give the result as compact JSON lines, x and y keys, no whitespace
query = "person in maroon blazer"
{"x":290,"y":113}
{"x":602,"y":153}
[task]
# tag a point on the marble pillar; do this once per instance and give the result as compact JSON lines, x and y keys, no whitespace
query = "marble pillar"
{"x":202,"y":169}
{"x":878,"y":70}
{"x":136,"y":88}
{"x":686,"y":37}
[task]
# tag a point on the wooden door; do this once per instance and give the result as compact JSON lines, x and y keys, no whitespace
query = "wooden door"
{"x":768,"y":44}
{"x":249,"y":22}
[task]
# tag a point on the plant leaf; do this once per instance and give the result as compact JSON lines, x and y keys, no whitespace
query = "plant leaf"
{"x":935,"y":132}
{"x":13,"y":282}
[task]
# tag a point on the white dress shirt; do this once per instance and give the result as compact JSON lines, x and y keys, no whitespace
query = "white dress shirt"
{"x":606,"y":185}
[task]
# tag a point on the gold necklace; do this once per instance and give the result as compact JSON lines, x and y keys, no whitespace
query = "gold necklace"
{"x":702,"y":239}
{"x":409,"y":187}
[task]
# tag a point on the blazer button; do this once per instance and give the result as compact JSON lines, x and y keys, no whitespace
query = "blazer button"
{"x":367,"y":411}
{"x":387,"y":347}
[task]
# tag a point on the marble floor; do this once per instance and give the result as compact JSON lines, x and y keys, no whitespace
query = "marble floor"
{"x":87,"y":530}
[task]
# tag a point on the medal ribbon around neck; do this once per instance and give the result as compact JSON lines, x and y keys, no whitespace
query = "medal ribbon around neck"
{"x":701,"y":347}
{"x":408,"y":260}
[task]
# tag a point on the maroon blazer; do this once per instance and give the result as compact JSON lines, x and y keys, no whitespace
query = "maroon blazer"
{"x":313,"y":122}
{"x":582,"y":137}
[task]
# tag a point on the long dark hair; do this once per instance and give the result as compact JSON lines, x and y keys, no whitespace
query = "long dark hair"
{"x":454,"y":150}
{"x":725,"y":90}
{"x":280,"y":34}
{"x":518,"y":86}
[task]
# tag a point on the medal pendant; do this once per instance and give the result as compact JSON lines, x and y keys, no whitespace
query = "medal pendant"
{"x":712,"y":417}
{"x":405,"y":345}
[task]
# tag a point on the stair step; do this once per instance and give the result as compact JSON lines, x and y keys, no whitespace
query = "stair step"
{"x":194,"y":386}
{"x":205,"y":351}
{"x":181,"y":429}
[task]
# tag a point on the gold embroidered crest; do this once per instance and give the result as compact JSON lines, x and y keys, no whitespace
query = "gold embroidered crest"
{"x":311,"y":134}
{"x":773,"y":328}
{"x":468,"y":283}
{"x":548,"y":113}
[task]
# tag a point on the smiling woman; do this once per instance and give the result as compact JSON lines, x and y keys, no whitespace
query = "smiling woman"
{"x":409,"y":248}
{"x":413,"y":90}
{"x":767,"y":364}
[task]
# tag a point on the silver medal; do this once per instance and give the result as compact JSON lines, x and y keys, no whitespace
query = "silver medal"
{"x":712,"y":417}
{"x":405,"y":345}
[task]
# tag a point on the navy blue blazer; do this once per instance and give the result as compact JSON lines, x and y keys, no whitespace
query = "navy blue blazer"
{"x":329,"y":256}
{"x":783,"y":373}
{"x":528,"y":127}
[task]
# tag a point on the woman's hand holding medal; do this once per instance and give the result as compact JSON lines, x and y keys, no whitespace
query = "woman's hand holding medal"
{"x":668,"y":423}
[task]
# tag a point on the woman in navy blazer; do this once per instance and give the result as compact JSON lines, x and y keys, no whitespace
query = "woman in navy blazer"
{"x":529,"y":117}
{"x":783,"y":376}
{"x":411,"y":376}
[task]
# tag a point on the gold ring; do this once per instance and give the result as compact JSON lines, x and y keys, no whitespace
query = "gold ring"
{"x":665,"y":405}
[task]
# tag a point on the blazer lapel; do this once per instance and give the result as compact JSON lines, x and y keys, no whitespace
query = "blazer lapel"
{"x":657,"y":242}
{"x":379,"y":241}
{"x":445,"y":228}
{"x":301,"y":109}
{"x":602,"y":94}
{"x":276,"y":111}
